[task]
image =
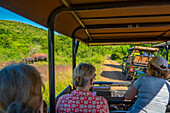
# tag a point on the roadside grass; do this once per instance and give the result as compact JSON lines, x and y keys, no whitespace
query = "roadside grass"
{"x":63,"y":79}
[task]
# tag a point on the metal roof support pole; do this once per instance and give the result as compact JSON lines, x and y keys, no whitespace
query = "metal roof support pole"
{"x":74,"y":53}
{"x":51,"y":20}
{"x":51,"y":68}
{"x":167,"y":54}
{"x":77,"y":45}
{"x":167,"y":47}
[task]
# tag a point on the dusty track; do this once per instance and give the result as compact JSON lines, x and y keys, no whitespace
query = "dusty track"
{"x":112,"y":72}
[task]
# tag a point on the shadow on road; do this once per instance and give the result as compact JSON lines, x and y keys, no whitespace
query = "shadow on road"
{"x":115,"y":75}
{"x":114,"y":66}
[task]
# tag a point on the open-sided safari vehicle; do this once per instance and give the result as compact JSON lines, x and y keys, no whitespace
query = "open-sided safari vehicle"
{"x":137,"y":60}
{"x":96,"y":23}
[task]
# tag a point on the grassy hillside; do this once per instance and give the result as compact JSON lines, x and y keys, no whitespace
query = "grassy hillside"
{"x":18,"y":40}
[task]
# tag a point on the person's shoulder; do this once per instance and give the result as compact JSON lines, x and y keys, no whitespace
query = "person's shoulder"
{"x":101,"y":98}
{"x":64,"y":96}
{"x":142,"y":77}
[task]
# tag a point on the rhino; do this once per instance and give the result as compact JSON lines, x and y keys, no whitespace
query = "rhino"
{"x":28,"y":60}
{"x":40,"y":56}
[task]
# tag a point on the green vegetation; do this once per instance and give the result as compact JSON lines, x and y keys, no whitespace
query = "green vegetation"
{"x":18,"y":40}
{"x":119,"y":52}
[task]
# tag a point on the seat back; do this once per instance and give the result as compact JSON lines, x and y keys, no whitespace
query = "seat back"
{"x":137,"y":59}
{"x":145,"y":60}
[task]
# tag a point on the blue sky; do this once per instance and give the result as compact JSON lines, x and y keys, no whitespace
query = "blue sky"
{"x":8,"y":15}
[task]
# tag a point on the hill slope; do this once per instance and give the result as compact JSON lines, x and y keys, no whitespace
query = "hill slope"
{"x":19,"y":40}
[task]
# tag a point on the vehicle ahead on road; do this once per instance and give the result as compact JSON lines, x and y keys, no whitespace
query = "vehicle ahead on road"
{"x":96,"y":23}
{"x":137,"y":60}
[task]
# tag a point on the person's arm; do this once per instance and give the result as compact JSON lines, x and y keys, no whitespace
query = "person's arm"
{"x":131,"y":93}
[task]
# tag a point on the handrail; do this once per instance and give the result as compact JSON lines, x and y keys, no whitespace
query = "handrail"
{"x":112,"y":83}
{"x":67,"y":90}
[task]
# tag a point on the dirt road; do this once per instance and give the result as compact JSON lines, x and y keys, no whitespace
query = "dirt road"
{"x":112,"y":72}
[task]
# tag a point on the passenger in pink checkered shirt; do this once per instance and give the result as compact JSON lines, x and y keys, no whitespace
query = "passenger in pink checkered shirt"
{"x":82,"y":100}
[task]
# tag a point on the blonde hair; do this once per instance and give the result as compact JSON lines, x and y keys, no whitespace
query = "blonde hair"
{"x":20,"y":83}
{"x":82,"y":74}
{"x":156,"y":72}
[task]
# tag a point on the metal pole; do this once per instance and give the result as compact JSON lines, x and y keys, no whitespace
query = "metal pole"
{"x":51,"y":68}
{"x":77,"y":45}
{"x":74,"y":55}
{"x":167,"y":47}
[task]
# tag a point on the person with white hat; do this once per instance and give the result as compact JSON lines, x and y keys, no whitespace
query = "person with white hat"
{"x":153,"y":91}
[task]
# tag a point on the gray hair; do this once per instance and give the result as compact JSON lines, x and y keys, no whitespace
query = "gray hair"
{"x":20,"y":83}
{"x":82,"y":74}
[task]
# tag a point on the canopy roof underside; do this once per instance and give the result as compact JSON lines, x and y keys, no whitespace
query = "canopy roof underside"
{"x":161,"y":45}
{"x":143,"y":48}
{"x":100,"y":22}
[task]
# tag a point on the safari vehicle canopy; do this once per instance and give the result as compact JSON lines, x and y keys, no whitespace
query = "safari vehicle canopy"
{"x":164,"y":45}
{"x":96,"y":22}
{"x":141,"y":48}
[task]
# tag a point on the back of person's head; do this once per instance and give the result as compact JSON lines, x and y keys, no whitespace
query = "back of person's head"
{"x":18,"y":107}
{"x":82,"y":74}
{"x":158,"y":67}
{"x":20,"y":83}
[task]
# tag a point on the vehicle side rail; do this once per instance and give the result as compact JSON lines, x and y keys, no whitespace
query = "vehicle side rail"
{"x":67,"y":90}
{"x":140,"y":65}
{"x":120,"y":102}
{"x":96,"y":88}
{"x":111,"y":83}
{"x":103,"y":93}
{"x":118,"y":111}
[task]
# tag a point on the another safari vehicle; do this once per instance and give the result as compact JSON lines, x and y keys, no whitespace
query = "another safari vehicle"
{"x":137,"y":61}
{"x":96,"y":23}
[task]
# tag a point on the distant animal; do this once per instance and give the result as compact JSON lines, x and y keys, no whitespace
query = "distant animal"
{"x":40,"y":56}
{"x":28,"y":60}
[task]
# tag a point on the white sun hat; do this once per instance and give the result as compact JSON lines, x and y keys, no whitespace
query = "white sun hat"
{"x":159,"y":62}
